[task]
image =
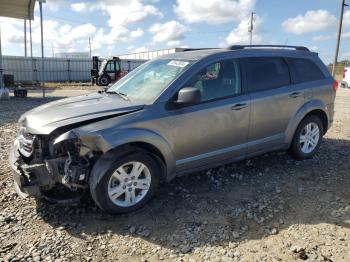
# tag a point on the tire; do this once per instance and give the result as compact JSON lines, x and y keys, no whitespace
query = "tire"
{"x":305,"y":150}
{"x":111,"y":194}
{"x":104,"y":80}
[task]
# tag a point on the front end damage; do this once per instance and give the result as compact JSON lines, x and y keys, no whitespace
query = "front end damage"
{"x":44,"y":162}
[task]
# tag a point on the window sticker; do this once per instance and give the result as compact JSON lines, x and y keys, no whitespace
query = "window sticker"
{"x":178,"y":63}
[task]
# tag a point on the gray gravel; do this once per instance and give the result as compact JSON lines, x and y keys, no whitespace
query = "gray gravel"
{"x":269,"y":208}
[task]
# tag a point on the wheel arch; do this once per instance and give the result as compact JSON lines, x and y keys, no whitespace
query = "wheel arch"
{"x":320,"y":114}
{"x":115,"y":144}
{"x":313,"y":107}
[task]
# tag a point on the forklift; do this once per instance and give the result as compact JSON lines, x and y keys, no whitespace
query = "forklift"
{"x":109,"y":71}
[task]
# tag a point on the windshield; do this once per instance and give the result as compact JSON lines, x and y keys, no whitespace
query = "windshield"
{"x":149,"y":80}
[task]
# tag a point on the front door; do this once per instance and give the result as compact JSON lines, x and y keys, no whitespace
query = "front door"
{"x":216,"y":128}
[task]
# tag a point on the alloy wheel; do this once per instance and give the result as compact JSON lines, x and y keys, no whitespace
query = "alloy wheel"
{"x":309,"y":138}
{"x":129,"y":184}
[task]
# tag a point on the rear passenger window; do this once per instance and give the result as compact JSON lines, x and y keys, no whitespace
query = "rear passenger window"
{"x":304,"y":70}
{"x":266,"y":73}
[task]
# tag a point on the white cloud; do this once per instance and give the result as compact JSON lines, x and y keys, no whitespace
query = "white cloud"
{"x":79,"y":7}
{"x":174,"y":43}
{"x":168,"y":32}
{"x":11,"y":31}
{"x":314,"y":48}
{"x":136,"y":33}
{"x":240,"y":34}
{"x":318,"y":38}
{"x":213,"y":11}
{"x":345,"y":35}
{"x":60,"y":37}
{"x":346,"y":55}
{"x":311,"y":21}
{"x":140,"y":49}
{"x":131,"y":47}
{"x":346,"y":24}
{"x":132,"y":11}
{"x":346,"y":19}
{"x":114,"y":36}
{"x":54,"y":5}
{"x":120,"y":12}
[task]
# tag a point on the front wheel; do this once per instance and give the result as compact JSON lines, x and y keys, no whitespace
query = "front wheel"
{"x":104,"y":80}
{"x":128,"y":184}
{"x":307,"y":138}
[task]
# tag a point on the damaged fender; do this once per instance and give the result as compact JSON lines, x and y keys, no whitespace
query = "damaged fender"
{"x":108,"y":139}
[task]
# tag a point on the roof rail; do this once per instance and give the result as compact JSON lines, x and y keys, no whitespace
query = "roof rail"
{"x":198,"y":49}
{"x":299,"y":48}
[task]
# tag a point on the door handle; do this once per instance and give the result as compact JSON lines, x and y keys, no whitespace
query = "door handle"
{"x":238,"y":106}
{"x":295,"y":94}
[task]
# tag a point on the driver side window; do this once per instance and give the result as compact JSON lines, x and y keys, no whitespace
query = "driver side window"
{"x":218,"y":80}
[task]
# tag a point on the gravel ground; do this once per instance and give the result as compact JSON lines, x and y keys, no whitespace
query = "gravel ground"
{"x":269,"y":208}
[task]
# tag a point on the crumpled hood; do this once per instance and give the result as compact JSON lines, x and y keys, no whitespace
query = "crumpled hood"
{"x":48,"y":117}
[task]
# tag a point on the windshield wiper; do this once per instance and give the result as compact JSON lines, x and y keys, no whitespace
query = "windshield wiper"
{"x":122,"y":95}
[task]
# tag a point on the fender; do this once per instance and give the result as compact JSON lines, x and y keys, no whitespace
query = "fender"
{"x":108,"y":139}
{"x":300,"y":114}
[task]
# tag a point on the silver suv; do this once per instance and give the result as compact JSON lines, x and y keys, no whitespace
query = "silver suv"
{"x":177,"y":114}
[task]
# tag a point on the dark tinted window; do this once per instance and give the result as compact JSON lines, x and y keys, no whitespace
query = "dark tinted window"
{"x":304,"y":70}
{"x":110,"y":66}
{"x":266,"y":73}
{"x":218,"y":80}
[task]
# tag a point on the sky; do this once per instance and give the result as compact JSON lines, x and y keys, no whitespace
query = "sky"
{"x":118,"y":27}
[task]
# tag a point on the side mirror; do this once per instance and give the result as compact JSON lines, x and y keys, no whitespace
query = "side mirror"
{"x":188,"y":96}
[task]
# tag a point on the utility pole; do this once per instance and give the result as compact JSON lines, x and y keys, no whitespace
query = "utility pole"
{"x":31,"y":50}
{"x":1,"y":70}
{"x":251,"y":28}
{"x":90,"y":46}
{"x":25,"y":37}
{"x":42,"y":47}
{"x":338,"y":36}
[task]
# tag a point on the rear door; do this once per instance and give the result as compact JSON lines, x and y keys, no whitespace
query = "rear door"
{"x":274,"y":101}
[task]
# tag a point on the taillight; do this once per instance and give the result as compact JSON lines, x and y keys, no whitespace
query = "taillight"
{"x":335,"y":85}
{"x":345,"y":70}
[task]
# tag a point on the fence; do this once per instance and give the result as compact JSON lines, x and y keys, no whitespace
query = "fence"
{"x":25,"y":69}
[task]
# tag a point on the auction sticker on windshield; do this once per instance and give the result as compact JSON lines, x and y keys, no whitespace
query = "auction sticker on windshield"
{"x":178,"y":63}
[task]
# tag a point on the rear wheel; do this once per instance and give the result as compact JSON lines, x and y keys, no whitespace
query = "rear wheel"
{"x":307,"y":138}
{"x":128,"y":184}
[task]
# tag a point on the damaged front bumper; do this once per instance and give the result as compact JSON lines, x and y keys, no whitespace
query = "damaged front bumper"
{"x":26,"y":185}
{"x":34,"y":179}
